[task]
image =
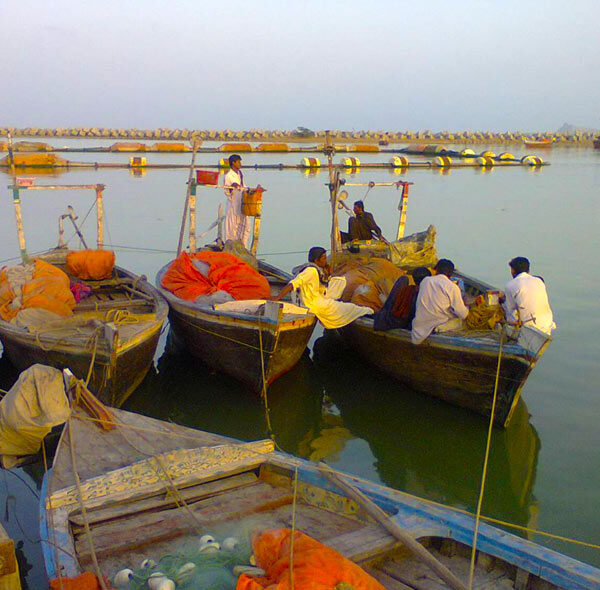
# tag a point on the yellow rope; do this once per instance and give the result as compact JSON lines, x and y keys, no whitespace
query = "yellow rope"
{"x":485,"y":466}
{"x":264,"y":389}
{"x":294,"y":500}
{"x":497,"y":521}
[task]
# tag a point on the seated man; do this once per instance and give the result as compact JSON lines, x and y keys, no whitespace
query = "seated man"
{"x":320,"y":298}
{"x":362,"y":226}
{"x":439,"y":304}
{"x":526,"y":300}
{"x":398,"y":310}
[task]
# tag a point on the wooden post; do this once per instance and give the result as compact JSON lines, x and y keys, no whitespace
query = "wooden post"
{"x":334,"y":181}
{"x":99,"y":217}
{"x":256,"y":233}
{"x":187,"y":199}
{"x":402,"y":208}
{"x":19,"y":223}
{"x":192,"y":206}
{"x":220,"y":222}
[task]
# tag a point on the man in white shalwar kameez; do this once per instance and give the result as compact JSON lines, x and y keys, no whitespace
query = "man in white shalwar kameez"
{"x":321,"y":299}
{"x":237,"y":225}
{"x":439,"y":307}
{"x":526,"y":300}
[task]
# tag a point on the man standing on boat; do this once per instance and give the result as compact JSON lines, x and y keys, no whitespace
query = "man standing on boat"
{"x":440,"y":307}
{"x":237,"y":225}
{"x":526,"y":301}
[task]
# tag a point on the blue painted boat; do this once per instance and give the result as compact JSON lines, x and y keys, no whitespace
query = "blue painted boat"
{"x":136,"y":478}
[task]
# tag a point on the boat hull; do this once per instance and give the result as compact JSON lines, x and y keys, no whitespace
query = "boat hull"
{"x":458,"y":372}
{"x":240,"y":348}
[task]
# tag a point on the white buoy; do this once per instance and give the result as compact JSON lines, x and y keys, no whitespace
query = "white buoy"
{"x":208,"y":544}
{"x":159,"y":581}
{"x":184,"y":572}
{"x":123,"y":578}
{"x":148,"y":564}
{"x":230,"y":543}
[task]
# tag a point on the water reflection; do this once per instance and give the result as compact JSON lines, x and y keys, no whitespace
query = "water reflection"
{"x":426,"y":447}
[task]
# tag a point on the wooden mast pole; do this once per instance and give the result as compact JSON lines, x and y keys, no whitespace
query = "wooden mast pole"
{"x":187,"y":198}
{"x":334,"y":181}
{"x":99,"y":217}
{"x":402,"y":208}
{"x":17,"y":204}
{"x":192,"y":206}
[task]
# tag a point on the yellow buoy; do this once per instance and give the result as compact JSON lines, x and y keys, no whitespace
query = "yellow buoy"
{"x":364,"y":147}
{"x":531,"y":161}
{"x":484,"y":162}
{"x":311,"y":162}
{"x":273,"y":147}
{"x":351,"y":162}
{"x":442,"y":161}
{"x":235,"y":147}
{"x":506,"y":156}
{"x":137,"y":162}
{"x":488,"y":154}
{"x":467,"y":152}
{"x":399,"y":162}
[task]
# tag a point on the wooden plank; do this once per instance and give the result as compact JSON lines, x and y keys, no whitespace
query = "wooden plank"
{"x":184,"y":466}
{"x":364,"y":543}
{"x":413,"y":574}
{"x":386,"y":580}
{"x":167,"y":500}
{"x":145,"y":529}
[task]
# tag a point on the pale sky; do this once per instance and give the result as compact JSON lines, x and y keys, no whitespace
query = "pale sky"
{"x":275,"y":64}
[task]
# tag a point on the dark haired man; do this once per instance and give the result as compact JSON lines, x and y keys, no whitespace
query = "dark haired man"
{"x":362,"y":226}
{"x":237,"y":225}
{"x":439,"y":306}
{"x":526,"y":300}
{"x":399,"y":308}
{"x":321,"y":298}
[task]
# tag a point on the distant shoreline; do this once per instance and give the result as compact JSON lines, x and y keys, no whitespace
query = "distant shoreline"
{"x":288,"y":136}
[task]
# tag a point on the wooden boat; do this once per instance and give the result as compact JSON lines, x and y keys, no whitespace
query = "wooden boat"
{"x":149,"y":489}
{"x":256,"y":345}
{"x":245,"y":346}
{"x":112,"y":335}
{"x":458,"y":367}
{"x":537,"y":143}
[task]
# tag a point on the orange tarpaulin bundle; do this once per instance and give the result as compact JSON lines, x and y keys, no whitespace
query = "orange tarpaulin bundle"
{"x":49,"y":289}
{"x":226,"y":273}
{"x":85,"y":581}
{"x":315,"y":566}
{"x":91,"y":264}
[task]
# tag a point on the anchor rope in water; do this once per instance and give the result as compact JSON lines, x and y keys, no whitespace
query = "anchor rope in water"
{"x":485,"y":465}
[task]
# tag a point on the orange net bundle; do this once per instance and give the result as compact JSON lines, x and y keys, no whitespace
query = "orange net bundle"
{"x":315,"y":566}
{"x":48,"y":289}
{"x":91,"y":264}
{"x":225,"y":273}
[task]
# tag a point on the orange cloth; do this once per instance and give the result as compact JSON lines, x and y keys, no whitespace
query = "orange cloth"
{"x":6,"y":296}
{"x":48,"y":289}
{"x":316,"y":566}
{"x":91,"y":264}
{"x":226,"y":273}
{"x":85,"y":581}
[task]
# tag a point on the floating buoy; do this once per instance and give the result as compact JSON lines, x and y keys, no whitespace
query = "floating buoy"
{"x":351,"y":162}
{"x":488,"y":154}
{"x":442,"y":161}
{"x":531,"y":161}
{"x":235,"y":147}
{"x":273,"y":147}
{"x":123,"y":578}
{"x":148,"y":564}
{"x":311,"y":162}
{"x":137,"y":161}
{"x":467,"y":152}
{"x":506,"y":156}
{"x":399,"y":162}
{"x":230,"y":543}
{"x":364,"y":147}
{"x":224,"y":163}
{"x":484,"y":162}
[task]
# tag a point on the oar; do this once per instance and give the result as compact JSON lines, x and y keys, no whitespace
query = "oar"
{"x":394,"y":529}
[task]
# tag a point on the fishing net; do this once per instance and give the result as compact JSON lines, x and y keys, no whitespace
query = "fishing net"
{"x":415,"y":250}
{"x":483,"y":316}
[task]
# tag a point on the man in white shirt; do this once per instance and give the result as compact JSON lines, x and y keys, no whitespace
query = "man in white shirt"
{"x":439,"y":304}
{"x":237,"y":225}
{"x":526,"y":300}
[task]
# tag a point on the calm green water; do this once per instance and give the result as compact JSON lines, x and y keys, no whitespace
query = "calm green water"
{"x":544,"y":469}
